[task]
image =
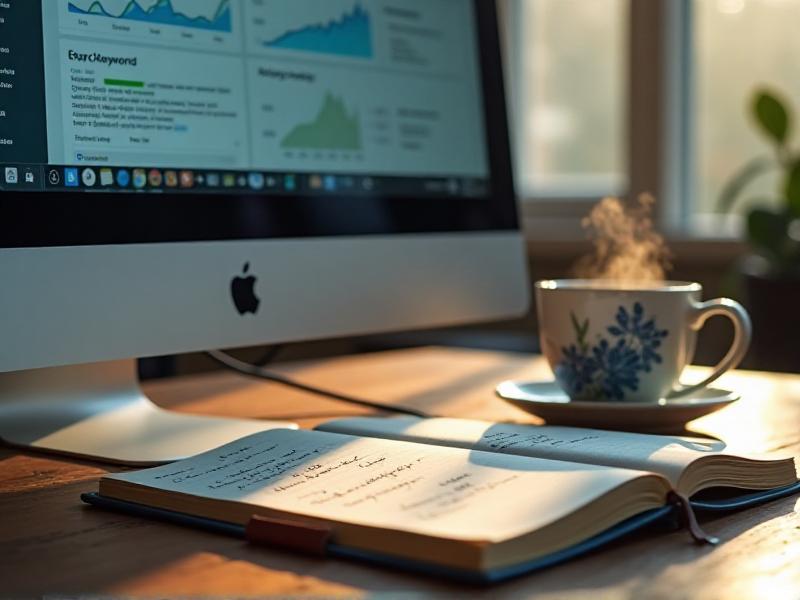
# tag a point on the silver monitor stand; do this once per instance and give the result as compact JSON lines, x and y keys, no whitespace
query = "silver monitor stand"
{"x":99,"y":411}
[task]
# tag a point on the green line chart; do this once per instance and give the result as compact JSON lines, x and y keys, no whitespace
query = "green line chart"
{"x":334,"y":128}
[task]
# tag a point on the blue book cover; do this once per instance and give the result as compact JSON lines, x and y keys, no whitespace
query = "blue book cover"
{"x":667,"y":516}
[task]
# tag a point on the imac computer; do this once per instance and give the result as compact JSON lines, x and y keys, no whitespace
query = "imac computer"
{"x":184,"y":175}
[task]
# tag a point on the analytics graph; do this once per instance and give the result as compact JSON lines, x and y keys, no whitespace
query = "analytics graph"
{"x":334,"y":128}
{"x":208,"y":15}
{"x":348,"y":34}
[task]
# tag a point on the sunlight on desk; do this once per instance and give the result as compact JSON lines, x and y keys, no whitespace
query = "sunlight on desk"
{"x":29,"y":472}
{"x":758,"y":422}
{"x":206,"y":574}
{"x":52,"y":542}
{"x":772,"y":575}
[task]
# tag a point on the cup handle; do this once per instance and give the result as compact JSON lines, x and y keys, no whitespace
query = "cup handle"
{"x":743,"y":330}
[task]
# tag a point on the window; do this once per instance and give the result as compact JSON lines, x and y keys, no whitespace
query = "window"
{"x":578,"y":69}
{"x":739,"y":46}
{"x":569,"y":66}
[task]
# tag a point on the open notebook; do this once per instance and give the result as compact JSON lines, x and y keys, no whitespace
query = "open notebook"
{"x":691,"y":465}
{"x":467,"y":513}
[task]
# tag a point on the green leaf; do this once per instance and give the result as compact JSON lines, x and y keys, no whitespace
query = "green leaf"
{"x":791,"y":189}
{"x":736,"y":184}
{"x":772,"y":116}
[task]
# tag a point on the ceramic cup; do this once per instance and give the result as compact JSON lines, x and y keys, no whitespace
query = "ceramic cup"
{"x":612,"y":341}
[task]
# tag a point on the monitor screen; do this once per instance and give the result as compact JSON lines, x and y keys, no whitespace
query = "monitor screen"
{"x":135,"y":120}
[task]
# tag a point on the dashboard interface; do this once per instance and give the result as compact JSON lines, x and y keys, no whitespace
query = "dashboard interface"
{"x":242,"y":97}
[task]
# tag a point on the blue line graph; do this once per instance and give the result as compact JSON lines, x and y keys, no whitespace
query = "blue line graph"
{"x":163,"y":13}
{"x":351,"y":35}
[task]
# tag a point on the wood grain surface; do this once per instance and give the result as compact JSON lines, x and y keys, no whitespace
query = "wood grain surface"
{"x":52,"y":544}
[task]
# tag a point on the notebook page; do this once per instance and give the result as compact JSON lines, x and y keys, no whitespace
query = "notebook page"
{"x":443,"y":492}
{"x":665,"y":455}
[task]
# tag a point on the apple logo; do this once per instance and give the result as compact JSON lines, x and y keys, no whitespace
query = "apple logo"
{"x":243,"y":292}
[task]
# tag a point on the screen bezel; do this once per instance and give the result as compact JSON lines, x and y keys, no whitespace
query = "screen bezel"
{"x":42,"y":219}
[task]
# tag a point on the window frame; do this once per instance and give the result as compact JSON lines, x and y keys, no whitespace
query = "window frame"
{"x":661,"y":147}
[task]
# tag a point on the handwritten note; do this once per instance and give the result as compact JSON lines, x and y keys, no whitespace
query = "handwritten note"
{"x":432,"y":490}
{"x":669,"y":456}
{"x":505,"y":439}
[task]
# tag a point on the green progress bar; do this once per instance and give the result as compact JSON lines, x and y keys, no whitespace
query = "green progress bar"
{"x":124,"y":83}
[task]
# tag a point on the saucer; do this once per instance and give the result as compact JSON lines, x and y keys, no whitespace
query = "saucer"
{"x":547,"y":400}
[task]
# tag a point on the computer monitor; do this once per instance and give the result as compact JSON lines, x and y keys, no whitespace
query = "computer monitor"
{"x":181,"y":175}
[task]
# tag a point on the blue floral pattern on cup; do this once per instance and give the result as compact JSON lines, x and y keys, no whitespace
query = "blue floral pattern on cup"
{"x":612,"y":366}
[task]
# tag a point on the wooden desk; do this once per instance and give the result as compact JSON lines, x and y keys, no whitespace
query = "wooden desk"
{"x":50,"y":542}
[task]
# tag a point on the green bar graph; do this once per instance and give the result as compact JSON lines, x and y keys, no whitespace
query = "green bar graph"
{"x":124,"y":83}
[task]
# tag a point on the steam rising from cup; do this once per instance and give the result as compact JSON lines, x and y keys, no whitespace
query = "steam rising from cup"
{"x":626,"y":245}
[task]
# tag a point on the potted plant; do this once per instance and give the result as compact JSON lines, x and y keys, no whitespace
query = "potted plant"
{"x":771,"y":274}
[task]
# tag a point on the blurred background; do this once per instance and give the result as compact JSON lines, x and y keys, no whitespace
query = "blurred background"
{"x":620,"y":97}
